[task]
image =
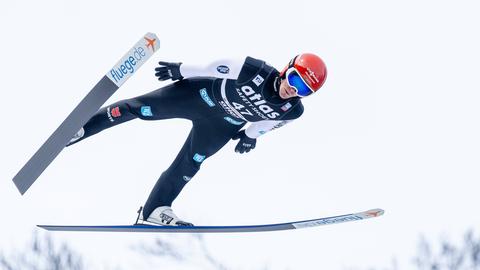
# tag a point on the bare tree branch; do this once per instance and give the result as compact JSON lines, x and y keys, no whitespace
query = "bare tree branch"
{"x":41,"y":254}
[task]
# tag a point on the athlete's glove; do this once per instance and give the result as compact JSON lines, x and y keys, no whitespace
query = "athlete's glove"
{"x":167,"y":70}
{"x":245,"y":144}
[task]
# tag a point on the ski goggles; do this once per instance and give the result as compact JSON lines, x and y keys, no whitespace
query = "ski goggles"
{"x":298,"y":83}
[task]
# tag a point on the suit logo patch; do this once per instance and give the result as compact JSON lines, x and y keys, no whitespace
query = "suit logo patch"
{"x":258,"y":80}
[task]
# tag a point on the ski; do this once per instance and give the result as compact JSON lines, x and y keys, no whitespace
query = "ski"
{"x":97,"y":96}
{"x":220,"y":229}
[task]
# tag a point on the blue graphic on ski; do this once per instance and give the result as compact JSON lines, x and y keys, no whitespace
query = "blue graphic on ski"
{"x":220,"y":229}
{"x":102,"y":91}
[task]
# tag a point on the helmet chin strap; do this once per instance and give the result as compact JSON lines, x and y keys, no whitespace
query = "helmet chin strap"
{"x":276,"y":85}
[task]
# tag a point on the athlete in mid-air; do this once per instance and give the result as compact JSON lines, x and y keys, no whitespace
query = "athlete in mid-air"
{"x":219,"y":100}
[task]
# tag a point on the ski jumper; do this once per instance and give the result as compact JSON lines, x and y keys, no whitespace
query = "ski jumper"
{"x":219,"y":100}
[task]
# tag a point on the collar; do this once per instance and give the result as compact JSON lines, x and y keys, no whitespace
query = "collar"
{"x":276,"y":85}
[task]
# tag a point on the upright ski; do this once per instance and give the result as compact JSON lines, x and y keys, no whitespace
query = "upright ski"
{"x":220,"y":229}
{"x":103,"y":90}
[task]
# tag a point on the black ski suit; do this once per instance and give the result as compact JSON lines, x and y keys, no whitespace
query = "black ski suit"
{"x":218,"y":109}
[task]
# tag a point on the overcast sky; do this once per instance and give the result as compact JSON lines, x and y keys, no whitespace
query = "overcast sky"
{"x":394,"y":127}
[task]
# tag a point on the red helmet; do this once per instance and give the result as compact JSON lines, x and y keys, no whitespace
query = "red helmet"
{"x":310,"y":67}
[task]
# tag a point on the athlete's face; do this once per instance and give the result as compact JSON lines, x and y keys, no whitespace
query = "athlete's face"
{"x":286,"y":91}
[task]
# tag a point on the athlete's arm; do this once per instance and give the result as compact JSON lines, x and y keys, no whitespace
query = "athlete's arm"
{"x":225,"y":69}
{"x":248,"y":137}
{"x":257,"y":129}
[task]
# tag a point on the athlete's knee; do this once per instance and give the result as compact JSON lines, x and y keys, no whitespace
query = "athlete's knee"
{"x":196,"y":160}
{"x":139,"y":109}
{"x":190,"y":167}
{"x":120,"y":111}
{"x":129,"y":108}
{"x":187,"y":166}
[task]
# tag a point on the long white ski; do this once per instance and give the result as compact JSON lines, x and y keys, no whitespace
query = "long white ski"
{"x":220,"y":229}
{"x":103,"y":90}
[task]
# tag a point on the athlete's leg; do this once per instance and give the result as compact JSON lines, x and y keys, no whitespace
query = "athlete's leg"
{"x":205,"y":139}
{"x":178,"y":100}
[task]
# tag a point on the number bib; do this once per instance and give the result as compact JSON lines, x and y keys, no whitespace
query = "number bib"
{"x":245,"y":98}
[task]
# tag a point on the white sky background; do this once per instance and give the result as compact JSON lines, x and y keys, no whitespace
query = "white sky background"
{"x":395,"y":126}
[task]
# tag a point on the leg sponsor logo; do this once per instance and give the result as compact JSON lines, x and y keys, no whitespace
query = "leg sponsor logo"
{"x":113,"y":113}
{"x":198,"y":158}
{"x":116,"y":112}
{"x":146,"y":111}
{"x":187,"y":178}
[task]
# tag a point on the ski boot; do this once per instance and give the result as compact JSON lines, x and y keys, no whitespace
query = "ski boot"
{"x":77,"y":136}
{"x":162,"y":216}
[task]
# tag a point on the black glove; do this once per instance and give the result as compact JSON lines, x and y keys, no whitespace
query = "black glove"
{"x":245,"y":144}
{"x":168,"y":70}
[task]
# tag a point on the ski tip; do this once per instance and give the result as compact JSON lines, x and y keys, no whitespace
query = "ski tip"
{"x":375,"y":212}
{"x":153,"y":39}
{"x":151,"y":34}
